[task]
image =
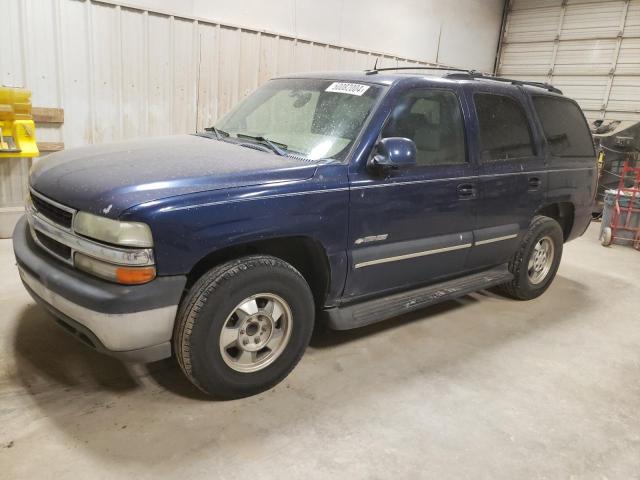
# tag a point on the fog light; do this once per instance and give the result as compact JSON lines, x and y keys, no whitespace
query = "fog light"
{"x":115,"y":273}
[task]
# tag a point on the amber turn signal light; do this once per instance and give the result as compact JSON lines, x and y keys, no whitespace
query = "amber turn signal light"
{"x":135,"y":275}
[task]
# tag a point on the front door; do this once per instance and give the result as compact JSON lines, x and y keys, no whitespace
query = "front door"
{"x":414,"y":226}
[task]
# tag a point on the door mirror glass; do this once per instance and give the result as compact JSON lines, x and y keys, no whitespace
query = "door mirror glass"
{"x":393,"y":153}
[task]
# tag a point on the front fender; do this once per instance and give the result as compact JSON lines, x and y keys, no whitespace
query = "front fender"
{"x":187,"y":228}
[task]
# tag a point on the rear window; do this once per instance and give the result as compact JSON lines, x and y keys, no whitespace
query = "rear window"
{"x":564,"y":127}
{"x":504,"y":129}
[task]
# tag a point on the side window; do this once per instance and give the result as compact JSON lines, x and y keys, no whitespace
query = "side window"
{"x":564,"y":127}
{"x":504,"y":129}
{"x":433,"y":120}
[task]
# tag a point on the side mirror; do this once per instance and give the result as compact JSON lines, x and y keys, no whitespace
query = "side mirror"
{"x":393,"y":153}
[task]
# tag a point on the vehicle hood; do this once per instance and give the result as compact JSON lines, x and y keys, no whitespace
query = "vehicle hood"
{"x":108,"y":179}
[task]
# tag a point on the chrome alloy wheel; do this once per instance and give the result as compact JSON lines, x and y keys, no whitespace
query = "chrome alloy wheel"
{"x":541,"y":260}
{"x":256,"y":332}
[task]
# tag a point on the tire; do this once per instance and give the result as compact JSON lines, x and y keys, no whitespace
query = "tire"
{"x":219,"y":362}
{"x":529,"y":282}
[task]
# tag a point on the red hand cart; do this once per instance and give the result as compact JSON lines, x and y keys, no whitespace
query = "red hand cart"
{"x":627,"y":204}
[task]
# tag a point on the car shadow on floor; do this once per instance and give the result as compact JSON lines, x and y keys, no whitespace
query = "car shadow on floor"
{"x":85,"y":394}
{"x":47,"y":357}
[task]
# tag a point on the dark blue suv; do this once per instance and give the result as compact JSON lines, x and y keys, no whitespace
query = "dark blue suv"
{"x":341,"y":198}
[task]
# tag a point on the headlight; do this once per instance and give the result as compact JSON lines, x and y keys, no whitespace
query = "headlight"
{"x":115,"y":273}
{"x":130,"y":234}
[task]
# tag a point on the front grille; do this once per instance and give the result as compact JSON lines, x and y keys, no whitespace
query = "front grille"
{"x":53,"y":213}
{"x":54,"y":246}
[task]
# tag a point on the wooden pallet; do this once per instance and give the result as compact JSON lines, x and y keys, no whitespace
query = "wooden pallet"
{"x":48,"y":116}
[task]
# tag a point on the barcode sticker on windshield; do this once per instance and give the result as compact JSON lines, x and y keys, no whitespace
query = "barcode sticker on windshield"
{"x":349,"y":88}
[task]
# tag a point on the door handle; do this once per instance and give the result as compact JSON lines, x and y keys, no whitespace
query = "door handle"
{"x":466,"y":191}
{"x":534,"y":183}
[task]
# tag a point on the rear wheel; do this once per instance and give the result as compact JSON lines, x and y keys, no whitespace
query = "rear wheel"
{"x":536,"y":262}
{"x":244,"y":326}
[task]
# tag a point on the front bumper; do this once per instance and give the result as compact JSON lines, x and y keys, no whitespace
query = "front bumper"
{"x":134,"y":323}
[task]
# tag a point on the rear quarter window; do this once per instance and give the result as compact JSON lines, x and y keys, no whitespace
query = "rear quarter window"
{"x":564,"y":127}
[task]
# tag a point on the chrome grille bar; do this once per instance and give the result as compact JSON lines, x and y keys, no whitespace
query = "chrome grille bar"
{"x":54,"y":206}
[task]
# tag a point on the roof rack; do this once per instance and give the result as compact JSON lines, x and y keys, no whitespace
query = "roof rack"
{"x":473,"y":75}
{"x":463,"y":73}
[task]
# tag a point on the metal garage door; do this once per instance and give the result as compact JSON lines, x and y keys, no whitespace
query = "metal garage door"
{"x":589,"y":49}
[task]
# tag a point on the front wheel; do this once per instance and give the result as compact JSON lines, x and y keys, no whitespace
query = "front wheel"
{"x":243,"y":326}
{"x":536,"y":262}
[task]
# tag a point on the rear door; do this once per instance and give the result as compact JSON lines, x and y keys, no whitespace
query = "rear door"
{"x":414,"y":226}
{"x":512,"y":177}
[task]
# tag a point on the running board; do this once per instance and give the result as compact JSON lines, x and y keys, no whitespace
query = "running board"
{"x":372,"y":311}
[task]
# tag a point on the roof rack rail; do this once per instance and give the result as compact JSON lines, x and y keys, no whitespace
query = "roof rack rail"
{"x":464,"y":73}
{"x":375,"y":70}
{"x":473,"y":75}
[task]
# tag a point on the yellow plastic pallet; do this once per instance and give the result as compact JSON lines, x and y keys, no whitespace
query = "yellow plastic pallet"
{"x":17,"y":130}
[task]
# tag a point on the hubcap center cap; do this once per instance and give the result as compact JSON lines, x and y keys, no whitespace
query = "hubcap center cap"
{"x":252,"y":329}
{"x":255,"y":333}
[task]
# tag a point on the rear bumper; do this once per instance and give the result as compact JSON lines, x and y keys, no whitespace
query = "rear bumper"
{"x":130,"y":322}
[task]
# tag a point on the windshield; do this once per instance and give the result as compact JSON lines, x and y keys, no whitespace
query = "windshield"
{"x":315,"y":119}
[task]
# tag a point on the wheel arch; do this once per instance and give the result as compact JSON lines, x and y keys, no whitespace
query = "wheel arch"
{"x":305,"y":254}
{"x":561,"y":212}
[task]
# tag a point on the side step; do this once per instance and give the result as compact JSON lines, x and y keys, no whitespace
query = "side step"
{"x":376,"y":310}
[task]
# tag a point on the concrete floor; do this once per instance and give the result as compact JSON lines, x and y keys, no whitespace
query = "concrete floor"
{"x":483,"y":387}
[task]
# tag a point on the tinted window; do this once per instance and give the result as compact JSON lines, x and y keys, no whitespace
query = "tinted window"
{"x":433,"y":120}
{"x":504,"y":129}
{"x":564,"y":127}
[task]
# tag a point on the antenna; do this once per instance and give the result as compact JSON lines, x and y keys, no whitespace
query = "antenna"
{"x":375,"y":65}
{"x":387,"y":69}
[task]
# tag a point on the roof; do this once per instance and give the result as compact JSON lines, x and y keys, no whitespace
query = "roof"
{"x":389,"y":77}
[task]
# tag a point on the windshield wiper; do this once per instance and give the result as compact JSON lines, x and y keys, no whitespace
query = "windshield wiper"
{"x":218,"y":133}
{"x":267,"y":142}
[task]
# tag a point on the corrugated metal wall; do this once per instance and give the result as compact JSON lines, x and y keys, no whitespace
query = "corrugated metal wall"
{"x":121,"y":72}
{"x":588,"y":48}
